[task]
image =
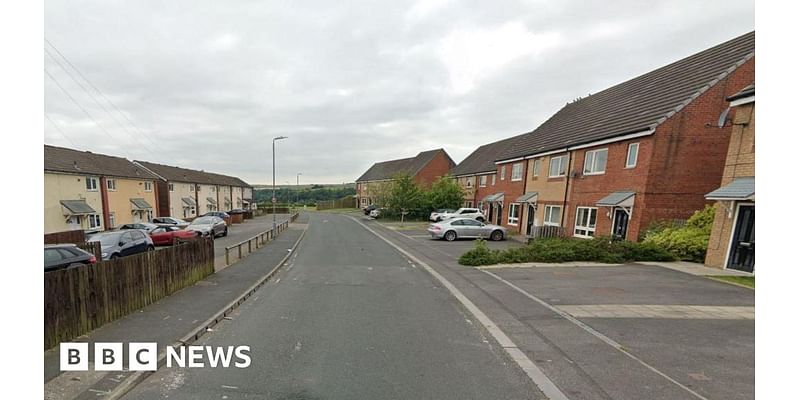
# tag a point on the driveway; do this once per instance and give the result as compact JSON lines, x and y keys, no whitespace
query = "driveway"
{"x":612,"y":332}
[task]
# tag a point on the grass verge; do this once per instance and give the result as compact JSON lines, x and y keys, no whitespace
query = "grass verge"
{"x":748,"y":281}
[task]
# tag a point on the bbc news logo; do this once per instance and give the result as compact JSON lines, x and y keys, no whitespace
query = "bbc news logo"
{"x":144,"y":356}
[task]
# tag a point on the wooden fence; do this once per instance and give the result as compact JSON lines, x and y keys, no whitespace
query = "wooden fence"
{"x":78,"y":300}
{"x":92,"y":247}
{"x":76,"y":237}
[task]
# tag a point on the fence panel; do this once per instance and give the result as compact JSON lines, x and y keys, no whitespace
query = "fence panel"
{"x":75,"y":237}
{"x":78,"y":300}
{"x":92,"y":247}
{"x":547,"y":231}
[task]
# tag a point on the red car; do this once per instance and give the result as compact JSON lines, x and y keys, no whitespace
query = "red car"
{"x":169,"y":235}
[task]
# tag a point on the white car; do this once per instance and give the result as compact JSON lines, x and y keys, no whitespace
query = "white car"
{"x":464,"y":212}
{"x":436,"y":215}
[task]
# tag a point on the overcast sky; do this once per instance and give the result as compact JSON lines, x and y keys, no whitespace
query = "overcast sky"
{"x":208,"y":84}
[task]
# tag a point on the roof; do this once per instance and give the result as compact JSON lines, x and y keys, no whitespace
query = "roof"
{"x":179,"y":174}
{"x":64,"y":160}
{"x":188,"y":201}
{"x":747,"y":91}
{"x":412,"y":165}
{"x":636,"y":105}
{"x":482,"y":159}
{"x":740,"y":189}
{"x":527,"y":197}
{"x":77,"y":207}
{"x":617,"y":199}
{"x":140,"y":204}
{"x":493,"y":197}
{"x":211,"y":200}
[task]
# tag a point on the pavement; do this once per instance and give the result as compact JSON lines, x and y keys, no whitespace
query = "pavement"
{"x":350,"y":318}
{"x":240,"y":232}
{"x":600,"y":331}
{"x":171,"y":318}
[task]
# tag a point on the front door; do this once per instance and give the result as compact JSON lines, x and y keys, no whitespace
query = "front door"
{"x":531,"y":219}
{"x":620,"y":229}
{"x":743,"y":246}
{"x":499,"y":214}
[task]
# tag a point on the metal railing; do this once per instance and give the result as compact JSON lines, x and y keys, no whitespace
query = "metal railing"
{"x":260,"y":240}
{"x":546,"y":231}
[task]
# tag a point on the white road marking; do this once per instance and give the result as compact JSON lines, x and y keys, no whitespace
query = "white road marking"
{"x":534,"y":373}
{"x":602,"y":337}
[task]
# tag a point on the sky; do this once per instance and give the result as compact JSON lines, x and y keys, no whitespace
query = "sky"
{"x":208,"y":84}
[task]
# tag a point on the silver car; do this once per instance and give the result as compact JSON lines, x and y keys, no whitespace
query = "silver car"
{"x":455,"y":228}
{"x":209,"y":226}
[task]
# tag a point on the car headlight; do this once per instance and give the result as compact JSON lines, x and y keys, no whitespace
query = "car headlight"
{"x":103,"y":254}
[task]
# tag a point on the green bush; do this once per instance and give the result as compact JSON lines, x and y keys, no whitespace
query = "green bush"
{"x":688,"y":243}
{"x":555,"y":250}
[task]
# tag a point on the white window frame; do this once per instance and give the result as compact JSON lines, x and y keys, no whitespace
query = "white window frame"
{"x":111,"y":185}
{"x":93,"y":186}
{"x":503,"y":173}
{"x":561,"y":166}
{"x":548,"y":212}
{"x":494,"y":179}
{"x":171,"y":187}
{"x":512,"y":220}
{"x":516,"y":172}
{"x":149,"y":215}
{"x":482,"y":181}
{"x":148,"y":186}
{"x":95,"y":222}
{"x":635,"y":155}
{"x":537,"y":166}
{"x":112,"y":220}
{"x":586,"y":231}
{"x":589,"y":162}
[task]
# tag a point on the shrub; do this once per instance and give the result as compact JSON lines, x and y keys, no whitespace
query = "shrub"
{"x":688,"y":243}
{"x":554,"y":250}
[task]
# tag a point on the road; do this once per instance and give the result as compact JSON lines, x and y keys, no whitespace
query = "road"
{"x":240,"y":232}
{"x":350,"y":318}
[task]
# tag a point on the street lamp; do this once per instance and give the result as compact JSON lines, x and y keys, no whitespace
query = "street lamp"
{"x":297,"y":195}
{"x":274,"y":218}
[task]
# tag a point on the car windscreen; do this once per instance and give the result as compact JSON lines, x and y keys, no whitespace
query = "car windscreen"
{"x":203,"y":221}
{"x":105,"y":240}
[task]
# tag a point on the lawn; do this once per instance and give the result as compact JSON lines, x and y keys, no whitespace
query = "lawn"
{"x":749,"y":281}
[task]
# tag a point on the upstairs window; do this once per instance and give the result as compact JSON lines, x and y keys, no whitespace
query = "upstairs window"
{"x":111,"y":184}
{"x":595,"y":162}
{"x":148,"y":186}
{"x":537,"y":166}
{"x":633,"y":155}
{"x":516,"y":172}
{"x":91,"y":184}
{"x":503,"y":173}
{"x":494,"y":178}
{"x":171,"y":187}
{"x":482,"y":181}
{"x":558,"y":166}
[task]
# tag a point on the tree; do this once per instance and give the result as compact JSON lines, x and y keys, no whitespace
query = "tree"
{"x":444,"y":193}
{"x":404,"y":195}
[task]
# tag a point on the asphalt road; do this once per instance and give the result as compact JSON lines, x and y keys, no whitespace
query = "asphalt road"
{"x":240,"y":232}
{"x":350,"y":318}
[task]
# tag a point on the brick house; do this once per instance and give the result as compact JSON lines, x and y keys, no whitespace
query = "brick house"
{"x":425,"y":168}
{"x":474,"y":174}
{"x":644,"y":150}
{"x":732,"y":240}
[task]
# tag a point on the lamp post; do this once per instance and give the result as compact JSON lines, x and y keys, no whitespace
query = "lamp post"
{"x":274,"y":218}
{"x":297,"y":195}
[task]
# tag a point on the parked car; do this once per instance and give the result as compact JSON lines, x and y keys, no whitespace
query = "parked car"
{"x":209,"y":226}
{"x":221,"y":214}
{"x":145,"y":226}
{"x":122,"y":243}
{"x":170,"y":235}
{"x":464,"y":212}
{"x":436,"y":215}
{"x":455,"y":228}
{"x":368,"y":209}
{"x":61,"y":256}
{"x":376,"y":212}
{"x":170,"y":221}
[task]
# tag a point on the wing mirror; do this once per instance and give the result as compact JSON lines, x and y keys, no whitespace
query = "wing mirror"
{"x":121,"y":243}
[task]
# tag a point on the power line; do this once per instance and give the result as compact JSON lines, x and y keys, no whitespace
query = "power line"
{"x":59,"y":129}
{"x":124,"y":115}
{"x":131,"y":134}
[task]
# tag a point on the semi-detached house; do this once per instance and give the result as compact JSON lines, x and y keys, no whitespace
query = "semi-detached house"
{"x":644,"y":150}
{"x":93,"y":192}
{"x":424,"y":168}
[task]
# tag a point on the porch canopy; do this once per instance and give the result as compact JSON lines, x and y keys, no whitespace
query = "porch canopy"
{"x":77,"y":207}
{"x":211,"y":201}
{"x":140,"y":204}
{"x":617,"y":199}
{"x":740,"y":189}
{"x":188,"y":202}
{"x":493,"y":198}
{"x":529,"y":197}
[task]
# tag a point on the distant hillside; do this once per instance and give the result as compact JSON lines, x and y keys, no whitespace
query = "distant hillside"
{"x":304,"y":194}
{"x":306,"y":186}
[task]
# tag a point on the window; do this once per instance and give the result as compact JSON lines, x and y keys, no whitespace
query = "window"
{"x":633,"y":155}
{"x":171,"y":187}
{"x":482,"y":181}
{"x":585,"y":221}
{"x":363,"y":201}
{"x":503,"y":173}
{"x":516,"y":172}
{"x":468,"y":204}
{"x":94,"y":221}
{"x":91,"y":184}
{"x":111,"y":184}
{"x":149,"y":215}
{"x":537,"y":166}
{"x":148,"y":186}
{"x":513,"y":214}
{"x":558,"y":166}
{"x":213,"y":189}
{"x":197,"y":188}
{"x":112,"y":220}
{"x":595,"y":162}
{"x":494,"y":178}
{"x":552,"y":215}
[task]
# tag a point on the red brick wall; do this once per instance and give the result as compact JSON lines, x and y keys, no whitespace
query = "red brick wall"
{"x":481,"y":192}
{"x":511,"y":191}
{"x":440,"y":165}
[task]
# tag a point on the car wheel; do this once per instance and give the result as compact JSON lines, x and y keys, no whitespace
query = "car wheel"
{"x":225,"y":233}
{"x":114,"y":256}
{"x":497,"y":235}
{"x":150,"y":248}
{"x":450,"y":236}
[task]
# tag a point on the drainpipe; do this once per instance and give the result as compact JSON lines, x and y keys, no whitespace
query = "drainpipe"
{"x":104,"y":201}
{"x":566,"y":188}
{"x":157,"y":203}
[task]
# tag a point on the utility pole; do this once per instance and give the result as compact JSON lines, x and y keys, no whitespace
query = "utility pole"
{"x":297,"y":195}
{"x":274,"y":200}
